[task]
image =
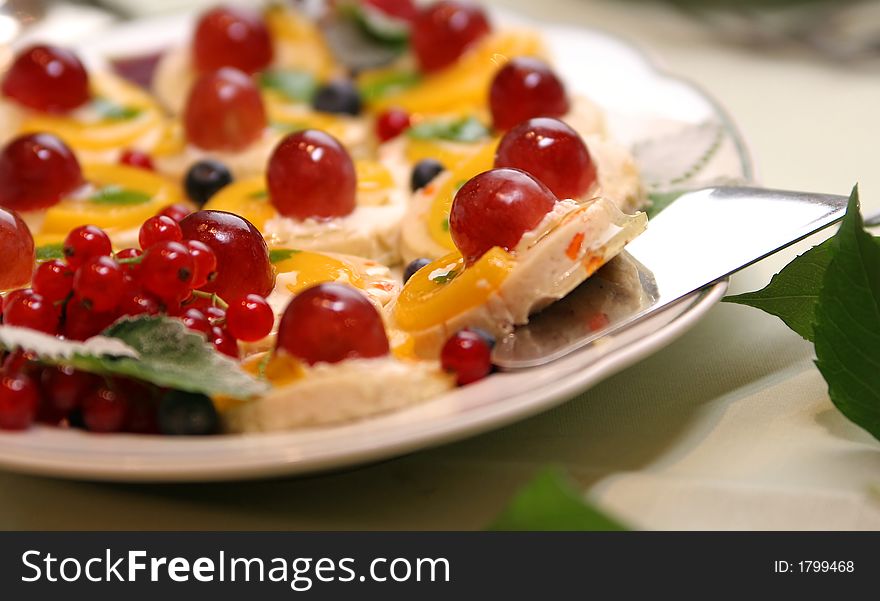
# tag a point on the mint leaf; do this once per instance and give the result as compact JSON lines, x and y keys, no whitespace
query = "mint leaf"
{"x":847,"y":328}
{"x":793,"y":293}
{"x":298,"y":86}
{"x":117,"y":195}
{"x":389,"y":83}
{"x":551,"y":502}
{"x":107,"y":109}
{"x":55,"y":350}
{"x":172,"y":356}
{"x":259,"y":194}
{"x":661,"y":200}
{"x":466,"y":129}
{"x":277,"y":255}
{"x":50,"y":251}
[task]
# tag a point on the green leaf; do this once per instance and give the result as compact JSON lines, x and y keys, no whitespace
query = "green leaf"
{"x":160,"y":350}
{"x":112,"y":111}
{"x":379,"y":25}
{"x":661,"y":200}
{"x":847,"y":328}
{"x":119,"y":196}
{"x":444,"y":278}
{"x":388,"y":83}
{"x":793,"y":293}
{"x":551,"y":502}
{"x":48,"y":252}
{"x":277,"y":255}
{"x":466,"y":129}
{"x":259,"y":194}
{"x":298,"y":86}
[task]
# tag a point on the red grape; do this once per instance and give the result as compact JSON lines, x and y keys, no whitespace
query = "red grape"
{"x":525,"y":88}
{"x":391,"y":124}
{"x":53,"y":280}
{"x":468,"y":355}
{"x":136,"y":158}
{"x":19,"y":400}
{"x":47,"y":79}
{"x":159,"y":228}
{"x":496,"y":208}
{"x":224,"y":111}
{"x":311,"y":174}
{"x":232,"y":37}
{"x":27,"y":309}
{"x":36,"y":171}
{"x":17,"y":250}
{"x":443,"y":31}
{"x":243,"y":265}
{"x":552,"y":152}
{"x":250,"y":318}
{"x":99,"y":284}
{"x":85,"y":242}
{"x":167,"y":271}
{"x":329,"y":323}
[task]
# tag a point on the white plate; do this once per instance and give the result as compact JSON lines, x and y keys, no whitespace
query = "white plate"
{"x":682,"y":137}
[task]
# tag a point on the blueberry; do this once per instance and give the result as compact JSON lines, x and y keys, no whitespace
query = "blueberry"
{"x":204,"y":179}
{"x":338,"y":96}
{"x":413,"y":267}
{"x":187,"y":414}
{"x":489,"y":338}
{"x":424,"y":171}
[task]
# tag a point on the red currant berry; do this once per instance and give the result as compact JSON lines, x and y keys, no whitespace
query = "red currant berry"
{"x":443,"y":31}
{"x":468,"y":356}
{"x":232,"y":37}
{"x":196,"y":321}
{"x":215,"y":314}
{"x":224,"y":342}
{"x":250,"y":318}
{"x":85,"y":242}
{"x":19,"y":400}
{"x":136,"y":158}
{"x":129,"y":259}
{"x":167,"y":271}
{"x":81,"y":323}
{"x":47,"y":79}
{"x":329,"y":323}
{"x":36,"y":171}
{"x":17,"y":250}
{"x":104,"y":411}
{"x":53,"y":280}
{"x":27,"y":309}
{"x":224,"y":111}
{"x":159,"y":229}
{"x":205,"y":262}
{"x":551,"y":152}
{"x":525,"y":88}
{"x":137,"y":302}
{"x":64,"y":388}
{"x":99,"y":284}
{"x":176,"y":211}
{"x":311,"y":174}
{"x":496,"y":208}
{"x":243,"y":265}
{"x":391,"y":124}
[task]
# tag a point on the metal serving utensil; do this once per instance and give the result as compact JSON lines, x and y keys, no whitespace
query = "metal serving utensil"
{"x":701,"y":238}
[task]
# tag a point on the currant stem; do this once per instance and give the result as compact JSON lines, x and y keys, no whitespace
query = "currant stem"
{"x":215,"y":300}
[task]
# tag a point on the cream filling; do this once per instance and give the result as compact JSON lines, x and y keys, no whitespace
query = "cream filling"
{"x":340,"y":392}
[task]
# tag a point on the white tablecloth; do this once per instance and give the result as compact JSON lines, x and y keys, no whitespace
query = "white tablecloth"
{"x":730,"y":427}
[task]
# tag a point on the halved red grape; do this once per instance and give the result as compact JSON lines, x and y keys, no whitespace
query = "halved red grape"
{"x":524,"y":88}
{"x":48,"y":79}
{"x":232,"y":37}
{"x":496,"y":208}
{"x":311,"y":174}
{"x":329,"y":323}
{"x":36,"y":171}
{"x":17,"y":250}
{"x":443,"y":31}
{"x":224,"y":111}
{"x":243,"y":265}
{"x":552,"y":152}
